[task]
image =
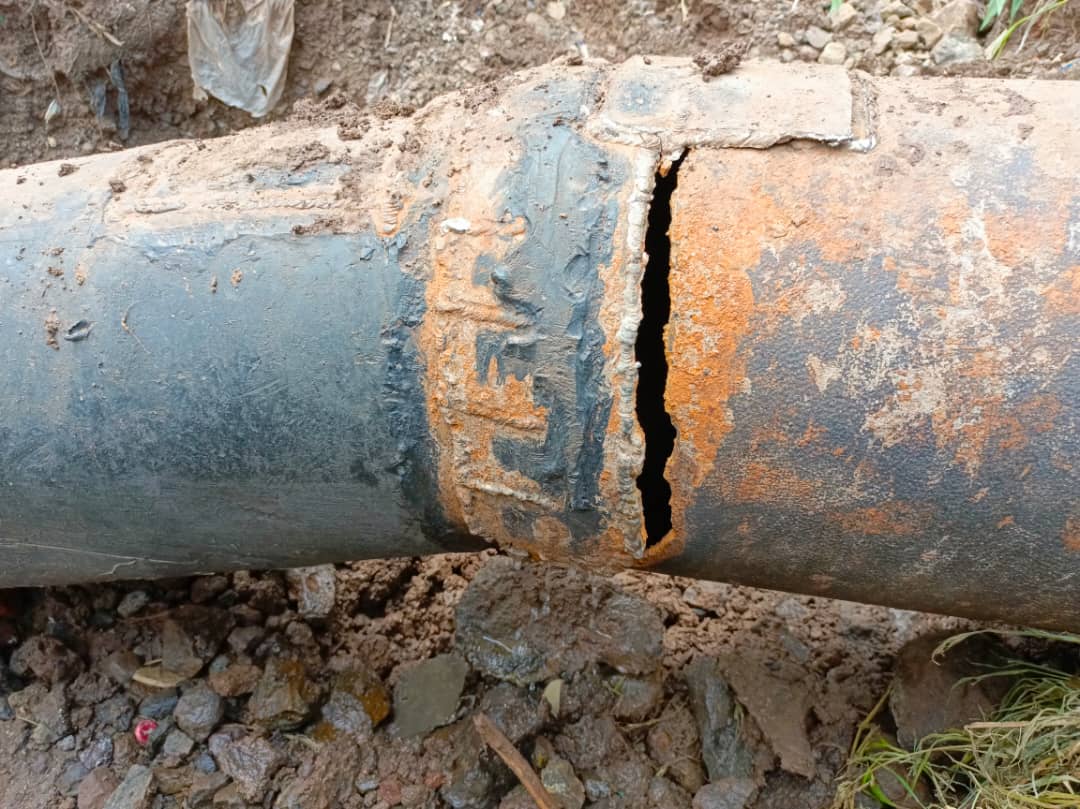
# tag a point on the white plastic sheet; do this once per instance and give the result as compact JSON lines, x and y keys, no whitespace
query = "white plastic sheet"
{"x":239,"y":50}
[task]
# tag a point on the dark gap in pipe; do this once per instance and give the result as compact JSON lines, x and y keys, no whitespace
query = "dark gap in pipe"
{"x":652,"y":356}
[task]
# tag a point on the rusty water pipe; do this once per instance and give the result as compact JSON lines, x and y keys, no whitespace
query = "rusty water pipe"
{"x":411,"y":335}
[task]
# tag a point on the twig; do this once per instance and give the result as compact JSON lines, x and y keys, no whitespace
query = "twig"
{"x":124,"y":325}
{"x":307,"y":741}
{"x":1062,"y":722}
{"x":497,"y":741}
{"x":389,"y":28}
{"x":41,"y":54}
{"x":94,"y":26}
{"x":142,"y":619}
{"x":663,"y":770}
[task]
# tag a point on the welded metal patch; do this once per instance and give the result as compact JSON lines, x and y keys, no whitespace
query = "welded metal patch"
{"x":526,"y":304}
{"x":665,"y":103}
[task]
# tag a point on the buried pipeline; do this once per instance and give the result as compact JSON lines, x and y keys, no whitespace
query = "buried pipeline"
{"x":792,"y":327}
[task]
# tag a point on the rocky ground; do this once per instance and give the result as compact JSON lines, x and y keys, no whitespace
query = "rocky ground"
{"x":358,"y":685}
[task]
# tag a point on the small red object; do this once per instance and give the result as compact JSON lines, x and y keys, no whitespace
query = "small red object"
{"x":143,"y":729}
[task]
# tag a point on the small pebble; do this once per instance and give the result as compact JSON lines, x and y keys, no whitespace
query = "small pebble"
{"x":833,"y":54}
{"x":132,"y":603}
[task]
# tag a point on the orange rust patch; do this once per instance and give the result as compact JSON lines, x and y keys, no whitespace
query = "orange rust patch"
{"x":896,"y":518}
{"x":711,"y":303}
{"x":726,"y":217}
{"x":1070,"y":537}
{"x":1018,"y":237}
{"x":1062,"y":298}
{"x":762,"y":483}
{"x":814,"y":434}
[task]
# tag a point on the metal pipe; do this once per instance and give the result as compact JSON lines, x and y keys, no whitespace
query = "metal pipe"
{"x":409,"y":335}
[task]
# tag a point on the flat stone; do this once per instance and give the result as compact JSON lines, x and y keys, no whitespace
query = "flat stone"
{"x":96,"y":787}
{"x":236,"y":679}
{"x":929,"y":32}
{"x":469,"y":780}
{"x":816,"y":37}
{"x":722,"y":746}
{"x":906,"y":40}
{"x":116,"y":712}
{"x":132,"y":603}
{"x":229,"y":797}
{"x":664,"y":793}
{"x":954,"y":49}
{"x":673,"y":744}
{"x":172,"y":780}
{"x":529,"y":623}
{"x":178,"y":650}
{"x":882,"y":40}
{"x":314,"y":589}
{"x":204,"y":762}
{"x":625,"y":775}
{"x":774,"y":694}
{"x":638,"y":697}
{"x":842,"y":16}
{"x":251,"y":762}
{"x":120,"y":665}
{"x":177,"y":744}
{"x":587,"y":742}
{"x":513,"y":710}
{"x":959,"y":18}
{"x":193,"y":637}
{"x":931,"y":696}
{"x":559,"y":779}
{"x":897,"y":9}
{"x":283,"y":698}
{"x":99,"y":753}
{"x":427,"y":694}
{"x":727,"y":793}
{"x":136,"y":791}
{"x":47,"y":707}
{"x":207,"y":588}
{"x":329,"y":782}
{"x":198,"y":712}
{"x":244,"y":639}
{"x":47,"y":659}
{"x":203,"y":787}
{"x":67,"y":783}
{"x":906,"y":70}
{"x":358,"y":702}
{"x":159,"y":705}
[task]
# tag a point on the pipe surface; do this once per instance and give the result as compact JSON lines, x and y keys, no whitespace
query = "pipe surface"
{"x":411,"y":335}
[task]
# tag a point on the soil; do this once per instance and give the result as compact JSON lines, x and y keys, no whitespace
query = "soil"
{"x":286,"y":704}
{"x":401,"y":54}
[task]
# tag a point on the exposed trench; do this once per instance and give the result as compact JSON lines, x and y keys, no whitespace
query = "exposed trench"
{"x":651,"y":354}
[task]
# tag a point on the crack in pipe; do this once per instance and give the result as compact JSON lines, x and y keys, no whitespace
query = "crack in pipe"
{"x":651,"y":354}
